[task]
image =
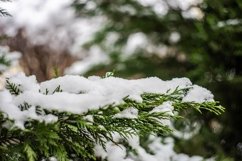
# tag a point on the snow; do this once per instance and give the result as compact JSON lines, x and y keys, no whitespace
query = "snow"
{"x":80,"y":94}
{"x":25,"y":83}
{"x":130,"y":113}
{"x":198,"y":94}
{"x":162,"y":150}
{"x":12,"y":111}
{"x":116,"y":153}
{"x":89,"y":118}
{"x":165,"y":107}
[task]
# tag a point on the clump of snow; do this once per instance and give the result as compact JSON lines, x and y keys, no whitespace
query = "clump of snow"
{"x":25,"y":83}
{"x":116,"y":153}
{"x":80,"y":94}
{"x":130,"y":113}
{"x":165,"y":107}
{"x":198,"y":94}
{"x":89,"y":118}
{"x":8,"y":107}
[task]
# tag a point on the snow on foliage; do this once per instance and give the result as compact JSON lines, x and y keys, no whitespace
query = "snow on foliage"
{"x":79,"y":94}
{"x":109,"y":113}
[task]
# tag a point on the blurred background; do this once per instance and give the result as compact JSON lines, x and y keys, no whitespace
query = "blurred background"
{"x":198,"y":39}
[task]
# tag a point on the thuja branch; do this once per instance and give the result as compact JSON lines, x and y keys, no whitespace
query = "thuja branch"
{"x":37,"y":131}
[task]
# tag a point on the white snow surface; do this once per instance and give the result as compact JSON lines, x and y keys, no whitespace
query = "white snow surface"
{"x":80,"y":94}
{"x":198,"y":94}
{"x":165,"y":107}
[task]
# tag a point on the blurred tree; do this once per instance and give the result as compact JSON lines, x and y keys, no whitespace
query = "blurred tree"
{"x":203,"y":42}
{"x":39,"y":60}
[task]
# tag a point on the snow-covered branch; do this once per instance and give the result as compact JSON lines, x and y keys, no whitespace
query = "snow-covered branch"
{"x":84,"y":113}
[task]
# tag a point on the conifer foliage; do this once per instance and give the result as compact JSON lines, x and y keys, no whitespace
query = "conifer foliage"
{"x":39,"y":129}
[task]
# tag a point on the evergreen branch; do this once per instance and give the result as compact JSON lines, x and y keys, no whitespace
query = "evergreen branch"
{"x":24,"y":106}
{"x":74,"y":136}
{"x":57,"y":89}
{"x":31,"y":155}
{"x":13,"y":88}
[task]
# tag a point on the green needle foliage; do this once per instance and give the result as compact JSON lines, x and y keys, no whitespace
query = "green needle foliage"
{"x":74,"y":136}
